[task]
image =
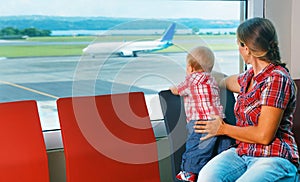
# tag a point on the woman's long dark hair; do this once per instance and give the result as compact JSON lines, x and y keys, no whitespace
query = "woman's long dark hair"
{"x":260,"y":36}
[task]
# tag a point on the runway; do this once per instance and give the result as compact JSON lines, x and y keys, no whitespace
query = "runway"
{"x":48,"y":78}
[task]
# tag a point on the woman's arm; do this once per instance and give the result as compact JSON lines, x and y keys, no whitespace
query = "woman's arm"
{"x":231,"y":83}
{"x":263,"y":133}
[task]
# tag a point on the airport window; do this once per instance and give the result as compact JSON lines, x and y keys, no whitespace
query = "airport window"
{"x":92,"y":49}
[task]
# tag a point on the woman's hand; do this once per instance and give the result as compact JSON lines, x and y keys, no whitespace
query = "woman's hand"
{"x":211,"y":128}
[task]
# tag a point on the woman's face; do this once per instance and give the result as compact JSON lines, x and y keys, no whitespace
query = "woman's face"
{"x":244,"y":51}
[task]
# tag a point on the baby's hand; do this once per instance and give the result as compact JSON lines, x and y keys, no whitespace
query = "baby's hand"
{"x":174,"y":90}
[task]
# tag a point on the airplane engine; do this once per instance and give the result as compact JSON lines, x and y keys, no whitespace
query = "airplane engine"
{"x":126,"y":53}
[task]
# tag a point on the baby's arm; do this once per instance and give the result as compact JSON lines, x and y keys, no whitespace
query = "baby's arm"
{"x":174,"y":90}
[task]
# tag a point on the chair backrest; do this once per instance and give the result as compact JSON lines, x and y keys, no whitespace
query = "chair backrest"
{"x":23,"y":151}
{"x":227,"y":99}
{"x":175,"y":120}
{"x":108,"y":138}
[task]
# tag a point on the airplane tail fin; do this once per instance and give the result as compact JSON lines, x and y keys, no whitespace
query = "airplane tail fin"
{"x":169,"y":33}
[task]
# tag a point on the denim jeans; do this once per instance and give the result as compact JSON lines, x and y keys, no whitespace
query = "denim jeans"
{"x":198,"y":152}
{"x":230,"y":167}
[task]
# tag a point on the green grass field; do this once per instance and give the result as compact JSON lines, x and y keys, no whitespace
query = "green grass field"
{"x":186,"y":42}
{"x":45,"y":50}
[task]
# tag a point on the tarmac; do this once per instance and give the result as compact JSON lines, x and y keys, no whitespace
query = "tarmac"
{"x":45,"y":79}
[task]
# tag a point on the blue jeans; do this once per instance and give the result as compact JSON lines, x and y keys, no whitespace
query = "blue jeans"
{"x":230,"y":167}
{"x":198,"y":153}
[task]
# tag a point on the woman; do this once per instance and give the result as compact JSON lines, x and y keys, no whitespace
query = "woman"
{"x":265,"y":146}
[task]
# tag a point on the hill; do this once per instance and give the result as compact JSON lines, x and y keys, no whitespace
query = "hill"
{"x":105,"y":23}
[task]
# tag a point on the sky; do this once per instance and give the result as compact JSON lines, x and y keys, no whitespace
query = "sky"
{"x":123,"y":8}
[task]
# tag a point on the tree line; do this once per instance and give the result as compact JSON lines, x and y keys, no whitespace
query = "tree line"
{"x":12,"y":33}
{"x":107,"y":23}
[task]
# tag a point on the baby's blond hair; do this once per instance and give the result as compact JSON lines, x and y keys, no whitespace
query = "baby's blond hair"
{"x":201,"y":58}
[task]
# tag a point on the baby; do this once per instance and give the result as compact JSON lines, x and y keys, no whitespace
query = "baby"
{"x":201,"y":99}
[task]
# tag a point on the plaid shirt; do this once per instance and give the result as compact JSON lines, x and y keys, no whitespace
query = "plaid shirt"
{"x":274,"y":87}
{"x":201,"y":96}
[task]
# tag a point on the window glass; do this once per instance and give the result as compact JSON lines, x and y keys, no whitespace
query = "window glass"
{"x":61,"y":48}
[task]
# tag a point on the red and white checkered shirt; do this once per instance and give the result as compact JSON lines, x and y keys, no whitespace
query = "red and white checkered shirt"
{"x":274,"y":87}
{"x":201,"y":96}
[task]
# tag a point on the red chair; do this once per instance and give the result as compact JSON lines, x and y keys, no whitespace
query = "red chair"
{"x":108,"y":138}
{"x":23,"y":151}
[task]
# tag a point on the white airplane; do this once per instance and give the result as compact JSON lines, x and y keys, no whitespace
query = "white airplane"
{"x":126,"y":49}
